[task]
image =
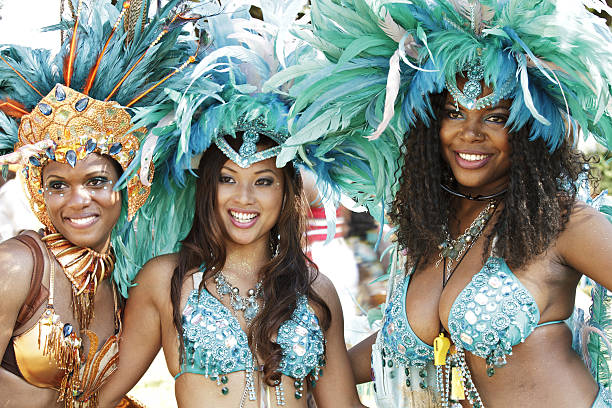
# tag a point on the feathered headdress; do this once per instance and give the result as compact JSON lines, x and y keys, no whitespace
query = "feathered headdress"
{"x":384,"y":58}
{"x":225,"y":95}
{"x":64,"y":107}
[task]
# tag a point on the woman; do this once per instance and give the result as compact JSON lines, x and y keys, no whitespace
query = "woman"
{"x":243,"y":316}
{"x":60,"y":318}
{"x":257,"y":324}
{"x":489,"y":97}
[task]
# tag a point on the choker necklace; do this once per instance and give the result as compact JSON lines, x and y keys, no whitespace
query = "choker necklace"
{"x":247,"y":305}
{"x":85,"y":268}
{"x":471,"y":197}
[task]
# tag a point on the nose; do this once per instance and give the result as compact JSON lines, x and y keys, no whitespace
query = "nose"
{"x":472,"y":131}
{"x":80,"y":197}
{"x":245,"y":193}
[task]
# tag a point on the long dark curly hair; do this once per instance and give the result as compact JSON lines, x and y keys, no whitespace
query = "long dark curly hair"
{"x":287,"y":276}
{"x":540,"y":197}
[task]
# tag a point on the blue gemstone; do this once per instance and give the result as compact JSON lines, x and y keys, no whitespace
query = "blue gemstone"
{"x":90,"y":146}
{"x":60,"y":94}
{"x":5,"y":172}
{"x":68,"y":329}
{"x":50,"y":153}
{"x":35,"y":161}
{"x":45,"y":109}
{"x":81,"y":104}
{"x":115,"y":148}
{"x":71,"y":157}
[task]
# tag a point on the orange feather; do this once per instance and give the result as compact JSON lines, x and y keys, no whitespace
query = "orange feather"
{"x":69,"y":62}
{"x":13,"y":108}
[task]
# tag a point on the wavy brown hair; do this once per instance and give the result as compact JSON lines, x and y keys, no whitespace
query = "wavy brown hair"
{"x":540,"y":197}
{"x":287,"y":276}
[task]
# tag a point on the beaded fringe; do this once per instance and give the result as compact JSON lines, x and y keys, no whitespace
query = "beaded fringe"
{"x":83,"y":307}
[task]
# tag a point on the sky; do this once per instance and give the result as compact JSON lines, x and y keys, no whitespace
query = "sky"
{"x":22,"y":20}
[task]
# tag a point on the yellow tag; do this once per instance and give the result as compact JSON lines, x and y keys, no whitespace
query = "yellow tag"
{"x":441,"y":345}
{"x":457,"y":388}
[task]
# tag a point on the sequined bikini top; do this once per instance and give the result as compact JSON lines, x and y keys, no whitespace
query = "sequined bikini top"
{"x":215,"y":344}
{"x":492,"y":314}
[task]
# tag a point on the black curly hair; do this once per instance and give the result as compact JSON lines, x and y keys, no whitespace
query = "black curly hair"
{"x":540,"y":197}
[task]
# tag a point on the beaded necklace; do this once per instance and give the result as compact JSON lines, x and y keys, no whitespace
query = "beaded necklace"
{"x":247,"y":305}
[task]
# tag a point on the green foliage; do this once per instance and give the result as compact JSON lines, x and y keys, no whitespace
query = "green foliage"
{"x":603,"y":169}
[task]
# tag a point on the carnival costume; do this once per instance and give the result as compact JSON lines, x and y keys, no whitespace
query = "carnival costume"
{"x":224,"y":99}
{"x":384,"y":60}
{"x":63,"y":108}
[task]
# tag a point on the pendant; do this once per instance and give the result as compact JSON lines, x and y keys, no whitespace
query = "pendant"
{"x":457,"y":387}
{"x":441,"y":345}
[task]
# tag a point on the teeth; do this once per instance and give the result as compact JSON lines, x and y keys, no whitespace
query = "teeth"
{"x":243,"y":217}
{"x":472,"y":157}
{"x":82,"y":221}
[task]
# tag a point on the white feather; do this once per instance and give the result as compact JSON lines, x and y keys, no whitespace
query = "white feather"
{"x":391,"y":28}
{"x":393,"y":85}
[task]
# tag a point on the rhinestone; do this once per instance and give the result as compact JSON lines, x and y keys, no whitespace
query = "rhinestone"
{"x":45,"y":109}
{"x":230,"y":342}
{"x":50,"y":153}
{"x":481,"y":299}
{"x":35,"y":161}
{"x":60,"y":94}
{"x":68,"y":329}
{"x":470,"y":317}
{"x":90,"y":146}
{"x":302,"y":331}
{"x":81,"y":104}
{"x":71,"y":157}
{"x":495,"y":282}
{"x":491,"y":306}
{"x":299,"y":349}
{"x":116,"y":148}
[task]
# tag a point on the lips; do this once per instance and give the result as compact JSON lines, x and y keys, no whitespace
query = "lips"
{"x":472,"y":160}
{"x":242,"y":218}
{"x":82,"y":221}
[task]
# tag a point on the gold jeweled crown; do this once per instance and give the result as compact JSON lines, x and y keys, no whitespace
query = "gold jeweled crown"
{"x":79,"y":125}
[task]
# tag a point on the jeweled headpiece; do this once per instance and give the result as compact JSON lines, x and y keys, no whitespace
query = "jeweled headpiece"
{"x":78,"y":126}
{"x":251,"y":132}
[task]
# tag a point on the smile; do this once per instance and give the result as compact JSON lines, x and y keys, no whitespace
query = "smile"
{"x":82,"y":222}
{"x":243,"y":219}
{"x":472,"y":160}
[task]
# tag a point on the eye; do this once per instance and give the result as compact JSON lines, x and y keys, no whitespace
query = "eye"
{"x":224,"y":179}
{"x":56,"y":185}
{"x":453,"y":114}
{"x":497,"y":118}
{"x":264,"y":181}
{"x":97,"y":181}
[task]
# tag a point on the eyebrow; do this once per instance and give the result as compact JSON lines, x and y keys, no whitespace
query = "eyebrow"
{"x":488,"y":109}
{"x":92,"y":173}
{"x":257,"y":172}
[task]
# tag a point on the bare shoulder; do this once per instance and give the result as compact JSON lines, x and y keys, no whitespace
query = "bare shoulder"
{"x":585,"y":223}
{"x":153,"y":280}
{"x":586,"y":243}
{"x":16,"y":271}
{"x":158,"y":270}
{"x":326,"y":290}
{"x":324,"y":286}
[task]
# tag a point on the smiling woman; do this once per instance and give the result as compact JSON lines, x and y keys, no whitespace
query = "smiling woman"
{"x":81,"y":201}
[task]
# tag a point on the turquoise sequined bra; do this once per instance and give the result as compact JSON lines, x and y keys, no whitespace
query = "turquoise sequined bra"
{"x":216,"y":345}
{"x":493,"y":313}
